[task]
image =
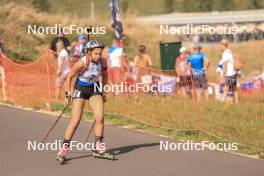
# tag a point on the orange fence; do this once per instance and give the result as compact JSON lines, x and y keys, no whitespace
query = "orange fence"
{"x":33,"y":85}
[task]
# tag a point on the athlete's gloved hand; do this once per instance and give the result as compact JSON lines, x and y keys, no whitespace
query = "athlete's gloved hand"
{"x":68,"y":99}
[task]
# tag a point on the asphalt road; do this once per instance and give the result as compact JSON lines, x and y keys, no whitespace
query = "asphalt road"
{"x":137,"y":153}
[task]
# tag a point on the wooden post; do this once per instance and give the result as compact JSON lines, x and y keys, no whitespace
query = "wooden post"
{"x":49,"y":82}
{"x":2,"y":73}
{"x":92,"y":10}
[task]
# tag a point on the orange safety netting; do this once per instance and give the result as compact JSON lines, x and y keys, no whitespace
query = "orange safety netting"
{"x":33,"y":85}
{"x":27,"y":84}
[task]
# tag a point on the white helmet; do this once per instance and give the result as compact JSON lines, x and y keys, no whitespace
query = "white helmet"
{"x":95,"y":43}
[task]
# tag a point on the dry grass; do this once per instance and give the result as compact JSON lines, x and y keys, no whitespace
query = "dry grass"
{"x":242,"y":123}
{"x":15,"y":18}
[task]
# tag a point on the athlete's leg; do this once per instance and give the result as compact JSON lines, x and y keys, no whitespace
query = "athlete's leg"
{"x":97,"y":105}
{"x":77,"y":110}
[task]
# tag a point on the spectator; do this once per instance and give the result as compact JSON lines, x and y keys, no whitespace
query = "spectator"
{"x":142,"y":61}
{"x":258,"y":32}
{"x":219,"y":71}
{"x":182,"y":71}
{"x":115,"y":71}
{"x":60,"y":36}
{"x":63,"y":67}
{"x":2,"y":71}
{"x":78,"y":48}
{"x":199,"y":64}
{"x":228,"y":76}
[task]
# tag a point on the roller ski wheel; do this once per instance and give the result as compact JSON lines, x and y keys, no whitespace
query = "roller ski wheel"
{"x":61,"y":159}
{"x":104,"y":155}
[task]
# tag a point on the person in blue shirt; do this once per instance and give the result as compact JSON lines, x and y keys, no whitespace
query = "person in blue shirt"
{"x":198,"y":64}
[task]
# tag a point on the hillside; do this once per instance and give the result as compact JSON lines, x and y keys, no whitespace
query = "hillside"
{"x":19,"y":45}
{"x":15,"y":17}
{"x":82,"y":8}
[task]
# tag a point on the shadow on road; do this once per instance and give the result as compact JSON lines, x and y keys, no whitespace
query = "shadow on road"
{"x":126,"y":149}
{"x":78,"y":157}
{"x":118,"y":151}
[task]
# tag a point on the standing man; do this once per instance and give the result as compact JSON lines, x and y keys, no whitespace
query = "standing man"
{"x":228,"y":75}
{"x":142,"y":61}
{"x":199,"y":64}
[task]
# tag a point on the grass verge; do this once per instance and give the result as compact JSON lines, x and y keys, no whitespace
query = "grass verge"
{"x":182,"y":135}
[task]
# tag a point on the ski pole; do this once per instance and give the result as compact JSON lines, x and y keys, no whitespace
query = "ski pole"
{"x":45,"y":138}
{"x":90,"y":132}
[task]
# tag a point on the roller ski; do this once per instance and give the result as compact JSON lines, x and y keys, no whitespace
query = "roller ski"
{"x":103,"y":155}
{"x":99,"y":152}
{"x":61,"y":157}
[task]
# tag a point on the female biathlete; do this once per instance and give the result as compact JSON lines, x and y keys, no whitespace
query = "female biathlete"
{"x":87,"y":69}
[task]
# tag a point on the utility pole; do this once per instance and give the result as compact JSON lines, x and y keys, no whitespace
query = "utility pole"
{"x":92,"y":10}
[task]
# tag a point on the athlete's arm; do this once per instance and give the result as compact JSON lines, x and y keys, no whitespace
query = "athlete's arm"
{"x":104,"y":72}
{"x":74,"y":71}
{"x":104,"y":76}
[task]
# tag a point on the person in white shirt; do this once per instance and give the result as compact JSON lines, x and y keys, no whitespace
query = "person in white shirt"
{"x":116,"y":62}
{"x":63,"y":67}
{"x":228,"y":75}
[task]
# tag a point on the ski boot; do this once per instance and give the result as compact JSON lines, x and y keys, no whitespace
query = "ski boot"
{"x":99,"y":152}
{"x":62,"y":153}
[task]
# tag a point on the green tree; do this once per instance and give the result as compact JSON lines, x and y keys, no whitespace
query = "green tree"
{"x":168,"y":6}
{"x":205,"y":5}
{"x":258,"y":4}
{"x":223,"y":5}
{"x":42,"y":5}
{"x":124,"y":6}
